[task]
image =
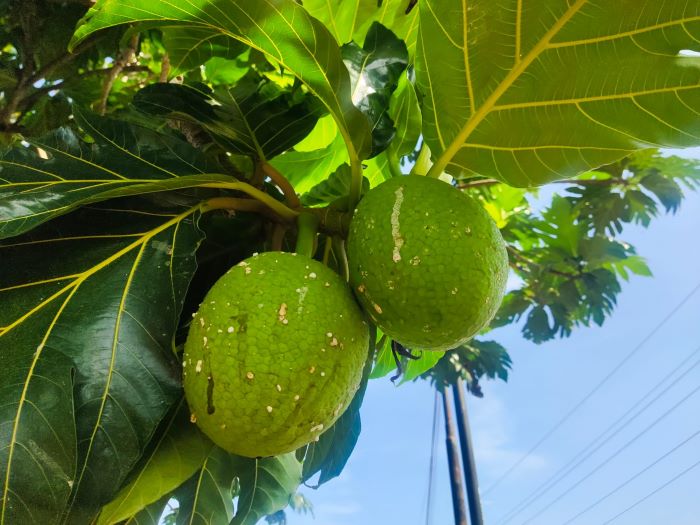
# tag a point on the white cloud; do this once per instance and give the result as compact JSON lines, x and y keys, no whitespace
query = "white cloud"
{"x":493,"y":437}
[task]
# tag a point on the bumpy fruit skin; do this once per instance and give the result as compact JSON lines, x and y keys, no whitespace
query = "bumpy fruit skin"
{"x":426,"y":261}
{"x":274,"y":354}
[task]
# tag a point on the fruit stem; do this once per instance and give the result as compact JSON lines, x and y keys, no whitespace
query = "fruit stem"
{"x":307,"y":225}
{"x":341,"y":256}
{"x":332,"y":221}
{"x":233,"y":203}
{"x":277,"y":238}
{"x":284,"y":212}
{"x":355,"y":184}
{"x":327,"y":249}
{"x":281,"y":181}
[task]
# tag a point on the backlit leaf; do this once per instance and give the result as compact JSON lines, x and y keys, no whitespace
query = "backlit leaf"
{"x":207,"y":498}
{"x":501,"y":100}
{"x":283,"y":30}
{"x":266,"y":485}
{"x":180,"y":451}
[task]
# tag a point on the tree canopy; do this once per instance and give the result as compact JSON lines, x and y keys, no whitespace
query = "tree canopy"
{"x":147,"y":146}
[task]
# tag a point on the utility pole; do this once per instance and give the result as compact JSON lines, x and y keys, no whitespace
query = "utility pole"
{"x":458,"y":503}
{"x":465,"y":442}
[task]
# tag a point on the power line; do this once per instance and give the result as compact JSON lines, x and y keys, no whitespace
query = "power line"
{"x":630,"y":480}
{"x":641,"y":500}
{"x":597,"y":387}
{"x":602,"y":438}
{"x":613,"y":455}
{"x":433,"y":457}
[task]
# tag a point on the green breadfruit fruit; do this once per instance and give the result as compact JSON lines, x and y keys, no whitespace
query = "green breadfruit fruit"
{"x":274,"y":354}
{"x":426,"y":261}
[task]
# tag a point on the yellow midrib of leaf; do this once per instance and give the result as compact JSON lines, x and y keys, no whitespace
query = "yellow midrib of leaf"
{"x":480,"y":114}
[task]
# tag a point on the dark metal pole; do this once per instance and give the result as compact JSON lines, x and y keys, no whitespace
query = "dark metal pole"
{"x":458,"y":503}
{"x":465,"y":442}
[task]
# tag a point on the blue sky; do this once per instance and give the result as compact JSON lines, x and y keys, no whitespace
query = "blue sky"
{"x":386,"y":479}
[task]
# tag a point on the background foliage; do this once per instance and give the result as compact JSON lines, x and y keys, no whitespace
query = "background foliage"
{"x":172,"y":141}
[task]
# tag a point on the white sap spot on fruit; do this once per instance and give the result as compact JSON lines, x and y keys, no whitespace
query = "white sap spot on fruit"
{"x":312,"y":275}
{"x":312,"y":370}
{"x":329,"y":334}
{"x":201,"y":321}
{"x":198,"y":367}
{"x":395,"y":232}
{"x":250,"y":375}
{"x":323,"y":374}
{"x":377,"y":308}
{"x":327,"y":285}
{"x":282,"y":313}
{"x":334,"y":342}
{"x":454,"y":291}
{"x":296,"y":397}
{"x":205,"y":340}
{"x":193,"y":418}
{"x":415,"y":261}
{"x":279,"y":388}
{"x":230,"y":329}
{"x":302,"y":295}
{"x":269,"y":409}
{"x":323,"y":349}
{"x":184,"y":364}
{"x":361,"y":288}
{"x":223,"y":426}
{"x":248,"y":270}
{"x":317,"y":428}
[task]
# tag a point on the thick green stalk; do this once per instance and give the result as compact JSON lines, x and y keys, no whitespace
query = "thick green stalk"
{"x":307,"y":225}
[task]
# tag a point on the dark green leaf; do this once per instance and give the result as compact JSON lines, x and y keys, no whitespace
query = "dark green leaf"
{"x":252,"y":118}
{"x":80,"y":296}
{"x":62,"y":172}
{"x":180,"y":451}
{"x":537,"y":327}
{"x":665,"y":189}
{"x":375,"y":70}
{"x":266,"y":485}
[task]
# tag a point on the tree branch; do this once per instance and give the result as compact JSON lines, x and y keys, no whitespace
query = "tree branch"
{"x":520,"y":257}
{"x":126,"y":56}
